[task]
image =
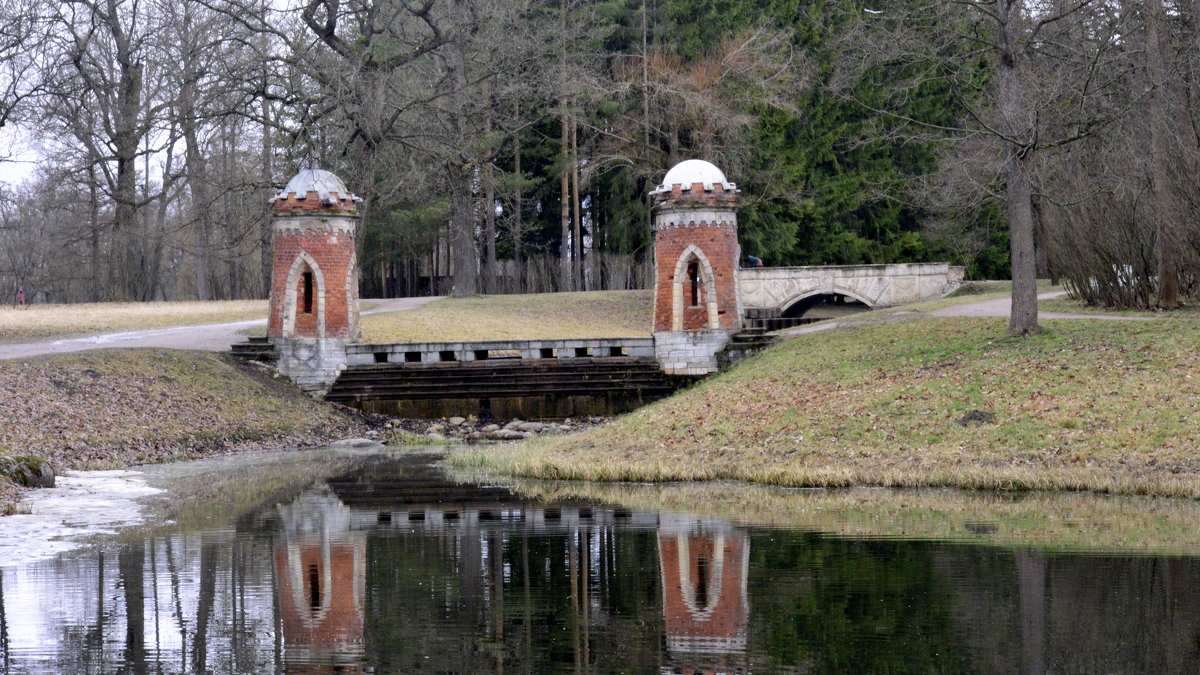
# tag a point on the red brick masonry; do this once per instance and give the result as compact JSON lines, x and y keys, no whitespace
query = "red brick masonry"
{"x":707,"y":220}
{"x":307,"y":230}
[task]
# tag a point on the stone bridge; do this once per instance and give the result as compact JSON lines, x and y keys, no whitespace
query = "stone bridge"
{"x":781,"y":288}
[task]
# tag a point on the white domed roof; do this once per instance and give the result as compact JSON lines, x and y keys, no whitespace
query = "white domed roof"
{"x":692,"y":171}
{"x":328,"y":186}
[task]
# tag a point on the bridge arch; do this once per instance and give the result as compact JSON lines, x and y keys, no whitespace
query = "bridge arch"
{"x":786,"y":307}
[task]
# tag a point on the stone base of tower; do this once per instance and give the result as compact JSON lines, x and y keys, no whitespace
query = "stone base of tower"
{"x":691,"y":352}
{"x":312,"y":363}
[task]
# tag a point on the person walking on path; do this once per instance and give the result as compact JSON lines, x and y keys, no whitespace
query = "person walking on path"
{"x":21,"y":297}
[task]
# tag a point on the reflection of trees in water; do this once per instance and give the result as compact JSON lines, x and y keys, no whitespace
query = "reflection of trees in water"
{"x":459,"y":600}
{"x":840,"y":606}
{"x":130,"y":569}
{"x":492,"y":590}
{"x":4,"y":661}
{"x":192,"y":602}
{"x":1052,"y":613}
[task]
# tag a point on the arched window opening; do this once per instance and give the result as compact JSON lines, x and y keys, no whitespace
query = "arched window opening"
{"x":308,"y":293}
{"x":314,"y":586}
{"x":693,"y":272}
{"x":702,"y":572}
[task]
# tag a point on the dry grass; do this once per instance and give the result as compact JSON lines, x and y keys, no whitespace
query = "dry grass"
{"x":518,"y":317}
{"x":1061,"y":522}
{"x":1067,"y":305}
{"x":110,"y":408}
{"x":42,"y":322}
{"x":8,"y":497}
{"x":1100,"y":406}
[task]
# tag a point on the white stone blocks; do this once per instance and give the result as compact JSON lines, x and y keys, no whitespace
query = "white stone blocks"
{"x":692,"y":352}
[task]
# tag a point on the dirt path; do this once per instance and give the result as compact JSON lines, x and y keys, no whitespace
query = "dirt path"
{"x":1003,"y":306}
{"x":214,"y":337}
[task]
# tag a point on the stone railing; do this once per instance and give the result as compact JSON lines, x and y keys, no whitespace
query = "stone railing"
{"x":359,"y":354}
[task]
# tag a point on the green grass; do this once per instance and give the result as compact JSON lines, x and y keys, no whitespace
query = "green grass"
{"x":518,"y":317}
{"x":1086,"y":405}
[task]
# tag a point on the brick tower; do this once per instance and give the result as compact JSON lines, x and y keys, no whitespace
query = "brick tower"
{"x":696,"y":253}
{"x":314,"y":280}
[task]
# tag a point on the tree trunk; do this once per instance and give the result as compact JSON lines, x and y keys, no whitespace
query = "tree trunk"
{"x":266,"y":250}
{"x":462,"y":211}
{"x":1160,"y":195}
{"x":489,"y":213}
{"x":462,"y":234}
{"x":577,"y":215}
{"x":564,"y":249}
{"x":125,"y":143}
{"x":565,"y":199}
{"x":1024,"y":313}
{"x":518,"y":202}
{"x":201,"y":203}
{"x":96,"y":293}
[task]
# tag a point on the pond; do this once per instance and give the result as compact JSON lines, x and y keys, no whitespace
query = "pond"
{"x":379,"y":563}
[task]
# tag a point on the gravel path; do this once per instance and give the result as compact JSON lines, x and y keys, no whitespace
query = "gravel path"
{"x":214,"y":337}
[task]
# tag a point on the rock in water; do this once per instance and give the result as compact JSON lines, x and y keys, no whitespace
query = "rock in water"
{"x":356,"y":443}
{"x":509,"y":435}
{"x":27,"y":471}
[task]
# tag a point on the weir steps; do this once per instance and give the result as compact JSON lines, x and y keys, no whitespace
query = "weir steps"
{"x":494,"y":378}
{"x":255,"y":349}
{"x":743,"y":345}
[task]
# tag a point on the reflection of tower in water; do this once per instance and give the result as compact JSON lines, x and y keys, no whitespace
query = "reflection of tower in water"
{"x":320,"y":567}
{"x":704,"y":574}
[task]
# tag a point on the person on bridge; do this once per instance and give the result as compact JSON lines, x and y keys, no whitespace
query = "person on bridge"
{"x":752,"y":261}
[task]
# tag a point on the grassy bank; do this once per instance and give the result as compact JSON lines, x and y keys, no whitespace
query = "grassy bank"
{"x":41,"y":322}
{"x":1088,"y":405}
{"x":518,"y":317}
{"x":111,"y":408}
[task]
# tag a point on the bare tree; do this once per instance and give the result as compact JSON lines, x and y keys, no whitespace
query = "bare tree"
{"x":105,"y":55}
{"x":1044,"y":53}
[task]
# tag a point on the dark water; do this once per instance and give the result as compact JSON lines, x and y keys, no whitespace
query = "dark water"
{"x":385,"y":568}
